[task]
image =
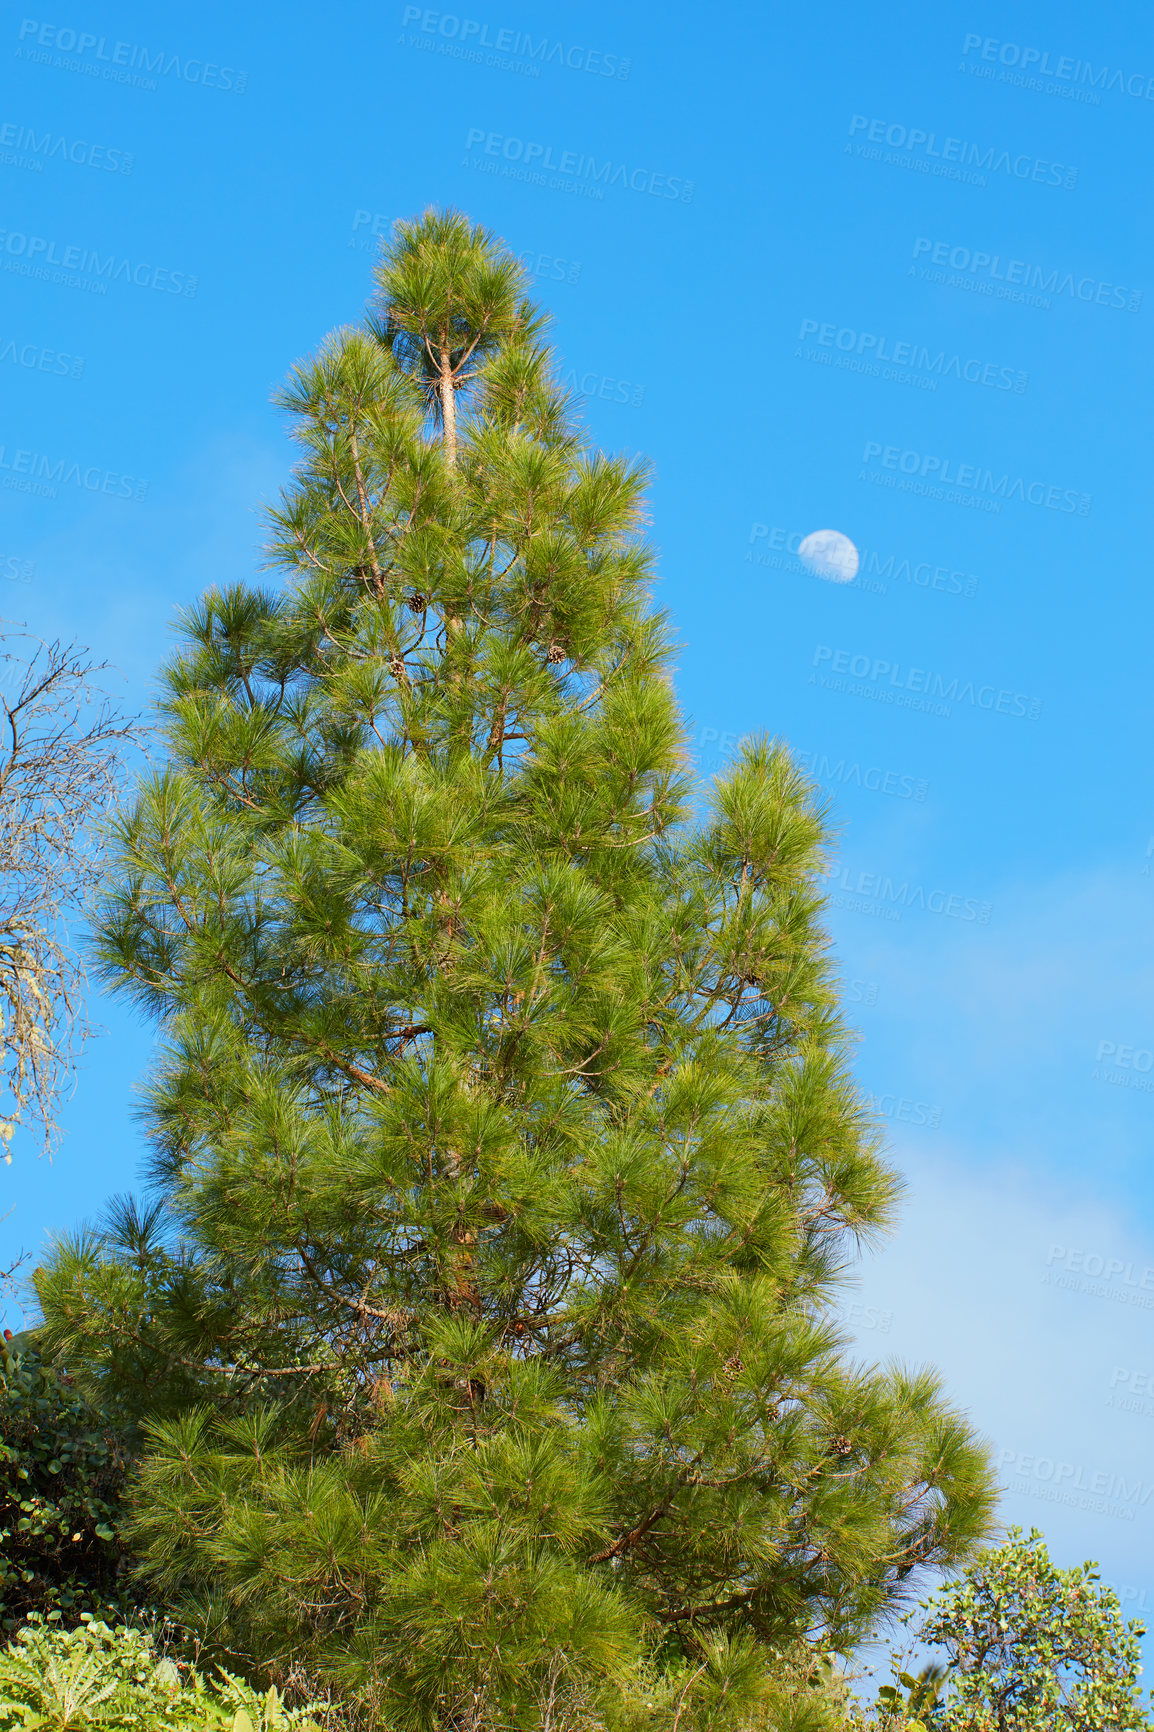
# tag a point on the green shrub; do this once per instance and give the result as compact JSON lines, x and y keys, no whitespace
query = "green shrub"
{"x":62,"y":1472}
{"x":1028,"y":1648}
{"x":55,"y":1680}
{"x":1032,"y":1648}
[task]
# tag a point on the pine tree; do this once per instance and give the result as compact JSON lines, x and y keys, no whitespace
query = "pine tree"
{"x":505,"y":1152}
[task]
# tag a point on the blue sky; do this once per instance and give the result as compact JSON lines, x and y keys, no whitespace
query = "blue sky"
{"x":888,"y":273}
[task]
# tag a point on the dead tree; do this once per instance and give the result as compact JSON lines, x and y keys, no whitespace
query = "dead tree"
{"x":61,"y":747}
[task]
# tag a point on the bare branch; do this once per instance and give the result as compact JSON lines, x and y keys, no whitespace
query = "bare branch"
{"x":61,"y":749}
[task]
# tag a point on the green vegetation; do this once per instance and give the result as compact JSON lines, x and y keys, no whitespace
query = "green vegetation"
{"x":1028,"y":1648}
{"x":57,"y":1680}
{"x":506,"y":1158}
{"x":62,"y":1475}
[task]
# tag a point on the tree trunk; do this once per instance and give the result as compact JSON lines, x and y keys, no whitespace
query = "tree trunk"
{"x":448,"y":403}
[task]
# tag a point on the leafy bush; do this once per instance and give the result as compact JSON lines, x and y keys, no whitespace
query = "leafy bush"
{"x":1029,"y":1648}
{"x":56,"y":1680}
{"x":62,"y":1472}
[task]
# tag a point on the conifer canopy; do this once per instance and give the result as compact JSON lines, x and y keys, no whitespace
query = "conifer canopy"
{"x":506,"y":1160}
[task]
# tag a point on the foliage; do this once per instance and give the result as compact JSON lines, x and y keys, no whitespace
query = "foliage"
{"x":61,"y":749}
{"x":906,"y":1705}
{"x":62,"y":1476}
{"x":1029,"y":1648}
{"x":1032,"y":1646}
{"x":59,"y":1681}
{"x":506,"y":1154}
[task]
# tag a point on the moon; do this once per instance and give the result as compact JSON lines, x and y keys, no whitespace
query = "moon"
{"x":830,"y":554}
